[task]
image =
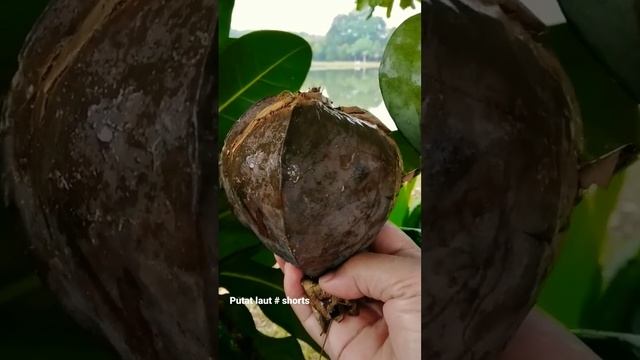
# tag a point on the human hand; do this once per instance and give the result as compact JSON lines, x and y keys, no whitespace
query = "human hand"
{"x":389,"y":322}
{"x":542,"y":337}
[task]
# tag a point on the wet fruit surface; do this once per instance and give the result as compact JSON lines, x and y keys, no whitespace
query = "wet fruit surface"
{"x":110,"y":143}
{"x":502,"y":139}
{"x":314,"y":183}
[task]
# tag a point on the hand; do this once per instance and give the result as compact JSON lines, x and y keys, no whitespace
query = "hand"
{"x":541,"y":337}
{"x":389,"y":323}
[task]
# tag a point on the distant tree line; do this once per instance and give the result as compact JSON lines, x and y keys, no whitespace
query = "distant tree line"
{"x":352,"y":37}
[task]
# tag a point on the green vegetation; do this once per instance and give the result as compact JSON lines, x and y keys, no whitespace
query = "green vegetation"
{"x":352,"y":37}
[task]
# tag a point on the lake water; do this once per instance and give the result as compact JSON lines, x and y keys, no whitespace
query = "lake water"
{"x":351,"y":87}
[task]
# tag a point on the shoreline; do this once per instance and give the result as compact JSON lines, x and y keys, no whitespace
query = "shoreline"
{"x":343,"y":65}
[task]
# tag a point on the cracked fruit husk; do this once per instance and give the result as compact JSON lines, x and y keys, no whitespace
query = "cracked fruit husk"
{"x":315,"y":183}
{"x":110,"y":157}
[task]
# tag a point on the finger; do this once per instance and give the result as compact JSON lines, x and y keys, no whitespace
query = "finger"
{"x":350,"y":331}
{"x":293,"y":289}
{"x":393,"y":241}
{"x":377,"y":276}
{"x":340,"y":333}
{"x":366,"y":343}
{"x":542,"y":337}
{"x":279,"y":261}
{"x":374,"y":305}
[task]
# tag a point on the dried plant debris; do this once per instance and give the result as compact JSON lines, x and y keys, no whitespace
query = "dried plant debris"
{"x":327,"y":307}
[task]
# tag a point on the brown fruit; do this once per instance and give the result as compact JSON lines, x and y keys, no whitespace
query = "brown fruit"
{"x":314,"y":183}
{"x":502,"y":143}
{"x":112,"y":162}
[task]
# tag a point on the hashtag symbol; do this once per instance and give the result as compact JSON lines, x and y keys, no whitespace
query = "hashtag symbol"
{"x":277,"y":300}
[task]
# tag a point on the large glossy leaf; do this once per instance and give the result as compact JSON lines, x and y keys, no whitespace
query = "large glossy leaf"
{"x":401,"y":208}
{"x":246,"y":278}
{"x":576,"y":277}
{"x":235,"y":239}
{"x":400,"y":74}
{"x":612,"y":30}
{"x":414,"y":220}
{"x":241,"y":340}
{"x":224,"y":22}
{"x":414,"y":233}
{"x":619,"y":307}
{"x":410,"y":157}
{"x":257,"y":65}
{"x":611,"y":118}
{"x":612,"y":345}
{"x":234,"y":236}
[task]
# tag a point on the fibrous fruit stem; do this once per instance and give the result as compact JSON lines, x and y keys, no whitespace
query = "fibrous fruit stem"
{"x":327,"y":307}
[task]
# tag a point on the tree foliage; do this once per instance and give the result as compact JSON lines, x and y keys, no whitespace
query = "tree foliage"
{"x":353,"y":37}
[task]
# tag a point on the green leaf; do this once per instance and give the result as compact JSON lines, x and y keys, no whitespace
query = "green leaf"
{"x":227,"y":347}
{"x":400,"y":73}
{"x":619,"y":307}
{"x":224,"y":22}
{"x":576,"y":277}
{"x":610,"y":116}
{"x":264,"y":257}
{"x":246,"y":278}
{"x":414,"y":220}
{"x":410,"y":157}
{"x":401,"y":208}
{"x":243,"y":341}
{"x":278,"y":349}
{"x":258,"y":65}
{"x":612,"y":30}
{"x":611,"y":345}
{"x":388,"y":4}
{"x":407,"y":3}
{"x":234,"y":237}
{"x":414,"y":233}
{"x":361,"y":4}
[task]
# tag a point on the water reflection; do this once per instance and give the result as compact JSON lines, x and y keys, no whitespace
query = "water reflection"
{"x":352,"y":87}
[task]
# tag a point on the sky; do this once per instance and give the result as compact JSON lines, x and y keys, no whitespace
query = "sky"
{"x":310,"y":16}
{"x":315,"y":16}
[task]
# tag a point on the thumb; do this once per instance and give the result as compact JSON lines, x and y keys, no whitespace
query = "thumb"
{"x":377,"y":276}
